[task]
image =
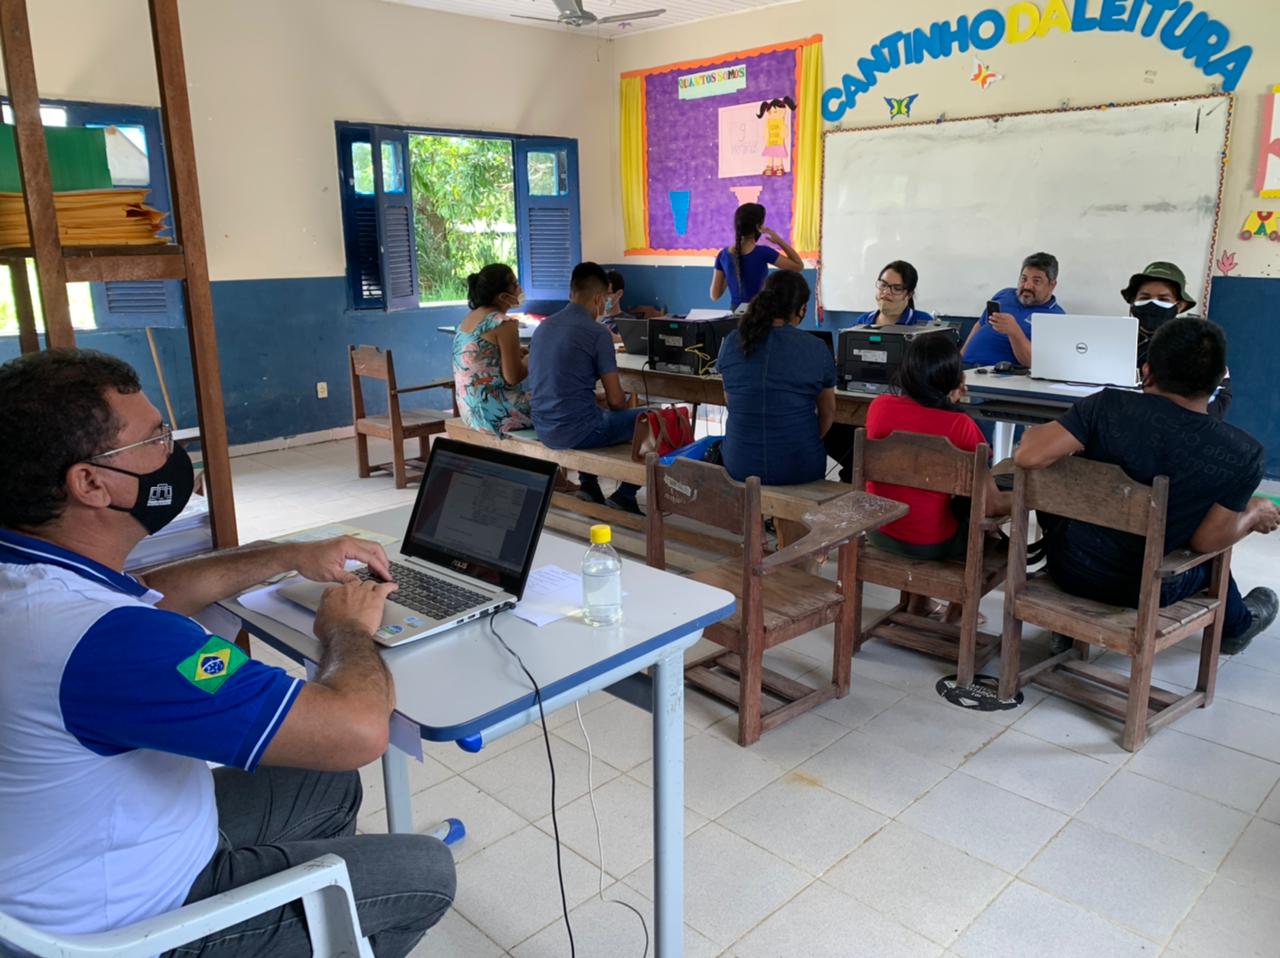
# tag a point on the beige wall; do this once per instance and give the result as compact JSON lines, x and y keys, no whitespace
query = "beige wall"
{"x":1060,"y":69}
{"x":268,"y":78}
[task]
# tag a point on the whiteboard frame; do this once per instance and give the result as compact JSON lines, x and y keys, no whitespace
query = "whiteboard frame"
{"x":1223,"y":159}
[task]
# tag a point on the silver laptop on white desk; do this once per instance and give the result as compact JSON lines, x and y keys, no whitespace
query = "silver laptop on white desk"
{"x":1097,"y":350}
{"x":469,"y":546}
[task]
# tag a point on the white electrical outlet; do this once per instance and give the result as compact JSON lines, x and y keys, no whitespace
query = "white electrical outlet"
{"x":322,"y":390}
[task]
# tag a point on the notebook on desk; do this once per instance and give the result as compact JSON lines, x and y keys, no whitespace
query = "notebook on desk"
{"x":469,"y":544}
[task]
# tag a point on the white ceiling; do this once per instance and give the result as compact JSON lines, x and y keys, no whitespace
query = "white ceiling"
{"x":678,"y":12}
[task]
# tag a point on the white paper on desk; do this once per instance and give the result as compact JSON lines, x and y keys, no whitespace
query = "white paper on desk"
{"x":550,"y":594}
{"x":267,"y":601}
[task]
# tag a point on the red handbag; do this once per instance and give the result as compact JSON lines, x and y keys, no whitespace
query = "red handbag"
{"x":661,"y":431}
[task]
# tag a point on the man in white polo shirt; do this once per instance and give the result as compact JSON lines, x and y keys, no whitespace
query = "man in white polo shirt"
{"x":113,"y":700}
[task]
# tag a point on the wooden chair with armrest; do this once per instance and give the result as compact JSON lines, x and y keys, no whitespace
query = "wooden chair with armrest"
{"x":933,"y":463}
{"x":397,"y":425}
{"x":778,"y":600}
{"x":1102,"y":494}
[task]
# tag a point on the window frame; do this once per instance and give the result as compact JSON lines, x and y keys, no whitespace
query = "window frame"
{"x":350,"y":131}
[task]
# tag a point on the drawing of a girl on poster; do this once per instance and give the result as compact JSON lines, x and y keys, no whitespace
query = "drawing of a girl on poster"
{"x":776,"y":118}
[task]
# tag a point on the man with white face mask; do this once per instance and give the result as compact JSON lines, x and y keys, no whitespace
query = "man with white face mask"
{"x":1155,"y":296}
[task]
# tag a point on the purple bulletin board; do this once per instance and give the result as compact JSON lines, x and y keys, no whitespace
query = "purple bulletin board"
{"x":689,"y":205}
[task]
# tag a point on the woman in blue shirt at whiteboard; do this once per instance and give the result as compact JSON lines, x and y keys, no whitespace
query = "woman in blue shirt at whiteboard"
{"x":779,"y":385}
{"x":743,"y":267}
{"x":895,"y":298}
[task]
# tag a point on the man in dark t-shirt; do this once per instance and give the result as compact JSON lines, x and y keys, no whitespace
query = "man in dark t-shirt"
{"x":1213,"y":469}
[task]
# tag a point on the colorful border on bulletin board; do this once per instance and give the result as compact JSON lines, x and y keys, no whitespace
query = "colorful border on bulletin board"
{"x":677,"y":204}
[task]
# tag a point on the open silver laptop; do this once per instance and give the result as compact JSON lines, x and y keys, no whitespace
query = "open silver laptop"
{"x":469,"y":546}
{"x":1098,"y":350}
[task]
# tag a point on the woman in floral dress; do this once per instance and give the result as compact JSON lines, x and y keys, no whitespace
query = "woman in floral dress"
{"x":489,"y":365}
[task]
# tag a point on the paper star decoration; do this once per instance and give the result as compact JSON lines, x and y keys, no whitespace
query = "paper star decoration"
{"x":983,"y":75}
{"x":900,"y":106}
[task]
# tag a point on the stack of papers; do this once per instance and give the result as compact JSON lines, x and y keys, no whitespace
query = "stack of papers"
{"x":187,"y":535}
{"x":88,"y":218}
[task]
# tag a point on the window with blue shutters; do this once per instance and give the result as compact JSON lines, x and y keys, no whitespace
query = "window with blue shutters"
{"x":412,"y":233}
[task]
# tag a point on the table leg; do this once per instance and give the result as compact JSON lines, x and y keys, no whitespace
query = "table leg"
{"x":395,"y":781}
{"x":668,"y":806}
{"x":1002,"y":441}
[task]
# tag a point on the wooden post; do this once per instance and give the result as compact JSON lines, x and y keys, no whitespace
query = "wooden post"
{"x":188,"y":228}
{"x":28,"y":337}
{"x":33,"y":164}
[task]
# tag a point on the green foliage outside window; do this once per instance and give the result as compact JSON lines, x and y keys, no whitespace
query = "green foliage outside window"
{"x":464,"y":211}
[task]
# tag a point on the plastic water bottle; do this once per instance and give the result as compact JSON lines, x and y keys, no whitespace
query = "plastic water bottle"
{"x":601,"y":580}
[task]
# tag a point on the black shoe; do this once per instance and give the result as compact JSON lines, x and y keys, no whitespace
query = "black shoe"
{"x":1263,"y":604}
{"x":589,"y":491}
{"x":1059,"y":643}
{"x":625,"y":504}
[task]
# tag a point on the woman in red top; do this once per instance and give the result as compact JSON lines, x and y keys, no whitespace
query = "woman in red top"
{"x":927,"y":389}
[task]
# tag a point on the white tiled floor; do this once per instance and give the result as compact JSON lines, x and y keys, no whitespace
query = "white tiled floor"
{"x":884,"y":824}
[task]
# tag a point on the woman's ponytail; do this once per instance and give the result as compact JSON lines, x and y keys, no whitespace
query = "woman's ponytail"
{"x":784,"y":295}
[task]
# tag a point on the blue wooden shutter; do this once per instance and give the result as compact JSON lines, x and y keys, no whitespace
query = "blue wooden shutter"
{"x":548,"y":233}
{"x":360,"y":222}
{"x":395,"y":217}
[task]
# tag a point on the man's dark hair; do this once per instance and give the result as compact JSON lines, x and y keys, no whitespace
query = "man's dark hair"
{"x":1188,"y":357}
{"x":616,"y":282}
{"x":588,"y":278}
{"x":53,"y":414}
{"x":1047,"y":263}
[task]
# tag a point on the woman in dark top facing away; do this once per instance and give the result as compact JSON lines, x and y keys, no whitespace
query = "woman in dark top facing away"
{"x":779,"y":385}
{"x":926,"y":392}
{"x":742,"y":268}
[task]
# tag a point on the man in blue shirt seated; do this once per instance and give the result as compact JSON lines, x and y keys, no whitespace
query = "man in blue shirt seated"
{"x":1005,"y":336}
{"x":114,"y":700}
{"x":569,"y":353}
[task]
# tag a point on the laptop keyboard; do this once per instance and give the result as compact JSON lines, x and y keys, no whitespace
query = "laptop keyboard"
{"x":428,"y":594}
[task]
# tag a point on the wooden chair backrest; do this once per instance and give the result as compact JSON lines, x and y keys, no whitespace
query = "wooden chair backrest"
{"x":918,"y":461}
{"x":704,"y":493}
{"x":1096,"y":492}
{"x":375,"y":363}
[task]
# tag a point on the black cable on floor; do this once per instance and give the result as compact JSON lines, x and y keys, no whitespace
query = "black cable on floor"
{"x":546,"y":737}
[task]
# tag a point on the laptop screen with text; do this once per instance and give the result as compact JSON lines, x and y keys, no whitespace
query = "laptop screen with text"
{"x":480,"y":512}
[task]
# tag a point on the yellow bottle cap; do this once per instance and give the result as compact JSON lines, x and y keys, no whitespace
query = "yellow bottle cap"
{"x":600,"y":535}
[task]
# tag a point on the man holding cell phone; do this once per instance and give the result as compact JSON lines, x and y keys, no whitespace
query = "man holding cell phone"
{"x":1003,"y":331}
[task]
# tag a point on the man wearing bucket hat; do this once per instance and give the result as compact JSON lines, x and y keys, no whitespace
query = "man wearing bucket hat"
{"x":1156,"y":295}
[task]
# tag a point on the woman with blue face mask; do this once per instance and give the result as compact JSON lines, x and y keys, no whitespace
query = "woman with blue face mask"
{"x":1156,"y":295}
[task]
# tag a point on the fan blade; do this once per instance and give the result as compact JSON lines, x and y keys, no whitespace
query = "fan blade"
{"x":623,"y":17}
{"x":521,"y":16}
{"x":573,"y":8}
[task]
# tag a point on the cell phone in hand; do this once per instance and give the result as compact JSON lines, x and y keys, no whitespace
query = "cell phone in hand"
{"x":992,"y":307}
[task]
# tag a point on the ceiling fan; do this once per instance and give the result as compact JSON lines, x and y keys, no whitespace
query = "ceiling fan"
{"x":573,"y":14}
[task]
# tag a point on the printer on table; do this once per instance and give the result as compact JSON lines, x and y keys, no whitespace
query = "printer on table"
{"x":690,"y":344}
{"x":868,"y":356}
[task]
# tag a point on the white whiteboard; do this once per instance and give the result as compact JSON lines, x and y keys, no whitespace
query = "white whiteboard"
{"x":1106,"y":190}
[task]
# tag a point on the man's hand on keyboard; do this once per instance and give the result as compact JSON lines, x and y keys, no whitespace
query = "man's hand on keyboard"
{"x":326,"y":561}
{"x":353,"y":604}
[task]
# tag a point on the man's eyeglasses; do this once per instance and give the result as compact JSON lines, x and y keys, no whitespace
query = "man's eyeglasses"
{"x":896,"y":288}
{"x":163,"y":437}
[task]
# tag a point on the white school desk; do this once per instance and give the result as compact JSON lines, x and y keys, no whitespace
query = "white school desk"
{"x":1009,"y":401}
{"x":462,"y":686}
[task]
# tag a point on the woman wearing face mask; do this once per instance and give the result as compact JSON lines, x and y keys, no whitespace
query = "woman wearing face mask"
{"x":1158,"y":294}
{"x":895,"y":298}
{"x":489,"y":364}
{"x":743,"y":267}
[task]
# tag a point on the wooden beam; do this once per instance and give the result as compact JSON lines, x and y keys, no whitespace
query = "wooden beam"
{"x":33,"y":165}
{"x":28,"y":337}
{"x":188,"y":228}
{"x":93,"y":264}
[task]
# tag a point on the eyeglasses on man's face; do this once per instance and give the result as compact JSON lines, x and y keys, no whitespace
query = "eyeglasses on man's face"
{"x":163,"y":438}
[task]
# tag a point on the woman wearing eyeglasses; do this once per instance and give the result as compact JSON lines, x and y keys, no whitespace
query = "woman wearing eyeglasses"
{"x":895,"y":297}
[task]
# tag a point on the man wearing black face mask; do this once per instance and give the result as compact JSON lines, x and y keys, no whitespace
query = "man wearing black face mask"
{"x":1155,"y":296}
{"x":113,"y":700}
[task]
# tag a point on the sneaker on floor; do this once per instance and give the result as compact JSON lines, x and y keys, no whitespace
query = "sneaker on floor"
{"x":590,"y":492}
{"x":625,"y":504}
{"x":1263,"y":604}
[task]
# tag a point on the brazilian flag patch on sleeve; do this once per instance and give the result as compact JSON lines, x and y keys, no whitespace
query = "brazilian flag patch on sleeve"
{"x":209,"y":669}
